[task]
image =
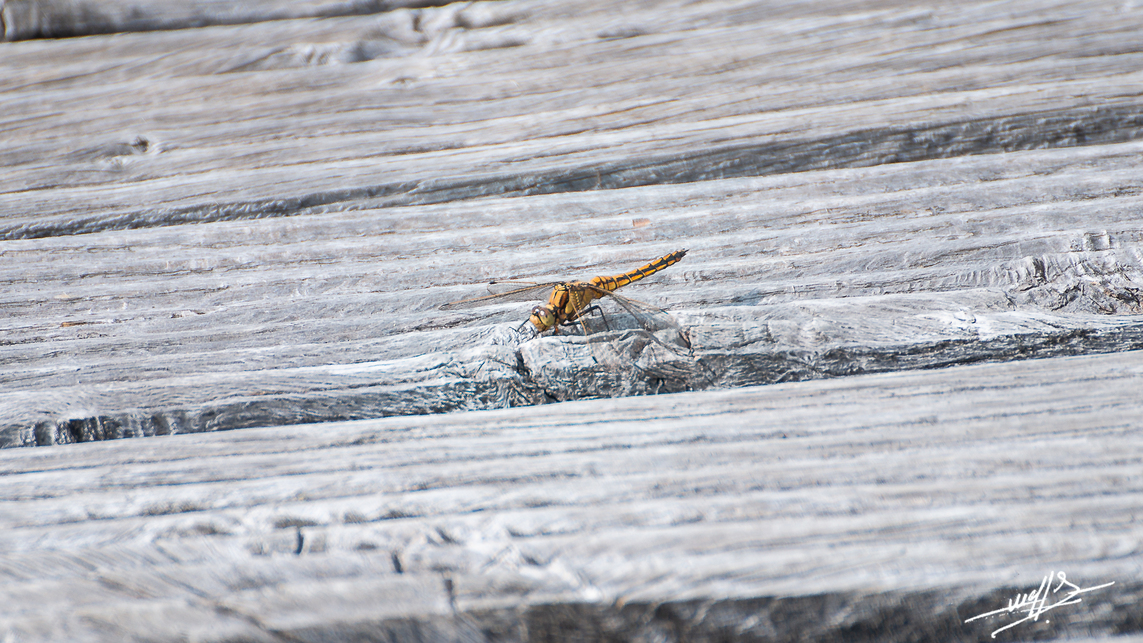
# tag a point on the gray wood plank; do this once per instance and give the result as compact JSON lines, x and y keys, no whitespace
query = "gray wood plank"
{"x":26,"y":19}
{"x":334,"y":316}
{"x":898,"y":504}
{"x":867,"y":189}
{"x":537,"y":96}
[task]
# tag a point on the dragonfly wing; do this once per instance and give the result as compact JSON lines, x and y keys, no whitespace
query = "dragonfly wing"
{"x":504,"y":292}
{"x":521,"y":290}
{"x":649,"y":318}
{"x":667,"y":361}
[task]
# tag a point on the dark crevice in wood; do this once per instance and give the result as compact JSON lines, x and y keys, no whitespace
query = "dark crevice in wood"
{"x":33,"y":19}
{"x":1057,"y":129}
{"x":922,"y":615}
{"x":842,"y":616}
{"x":732,"y":369}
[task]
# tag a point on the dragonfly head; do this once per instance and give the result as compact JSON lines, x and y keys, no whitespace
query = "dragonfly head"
{"x":543,"y":318}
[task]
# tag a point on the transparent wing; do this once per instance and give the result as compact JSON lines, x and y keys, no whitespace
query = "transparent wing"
{"x":643,"y":315}
{"x":521,"y":290}
{"x":666,"y":361}
{"x":505,"y":291}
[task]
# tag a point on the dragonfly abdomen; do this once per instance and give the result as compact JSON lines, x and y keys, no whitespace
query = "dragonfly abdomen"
{"x":618,"y":281}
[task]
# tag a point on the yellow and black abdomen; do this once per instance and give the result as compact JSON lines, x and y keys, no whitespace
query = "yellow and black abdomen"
{"x":618,"y":281}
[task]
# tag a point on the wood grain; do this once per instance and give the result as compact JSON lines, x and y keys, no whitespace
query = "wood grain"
{"x":779,"y":512}
{"x":909,"y":386}
{"x":29,"y":19}
{"x":334,"y":316}
{"x":537,"y":97}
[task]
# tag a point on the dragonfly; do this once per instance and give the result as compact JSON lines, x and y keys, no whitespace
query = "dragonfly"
{"x":571,"y":301}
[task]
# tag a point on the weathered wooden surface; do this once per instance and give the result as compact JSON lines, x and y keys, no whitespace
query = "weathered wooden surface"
{"x":863,"y":187}
{"x":526,"y":97}
{"x":334,"y":316}
{"x":821,"y":510}
{"x":24,"y":19}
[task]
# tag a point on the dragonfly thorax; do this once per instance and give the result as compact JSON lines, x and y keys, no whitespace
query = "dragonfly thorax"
{"x":564,"y":305}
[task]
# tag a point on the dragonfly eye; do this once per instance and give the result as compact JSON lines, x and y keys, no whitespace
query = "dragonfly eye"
{"x":543,"y":318}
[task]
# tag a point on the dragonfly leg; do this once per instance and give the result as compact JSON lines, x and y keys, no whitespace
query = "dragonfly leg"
{"x":526,"y":324}
{"x":587,"y":311}
{"x":597,"y":309}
